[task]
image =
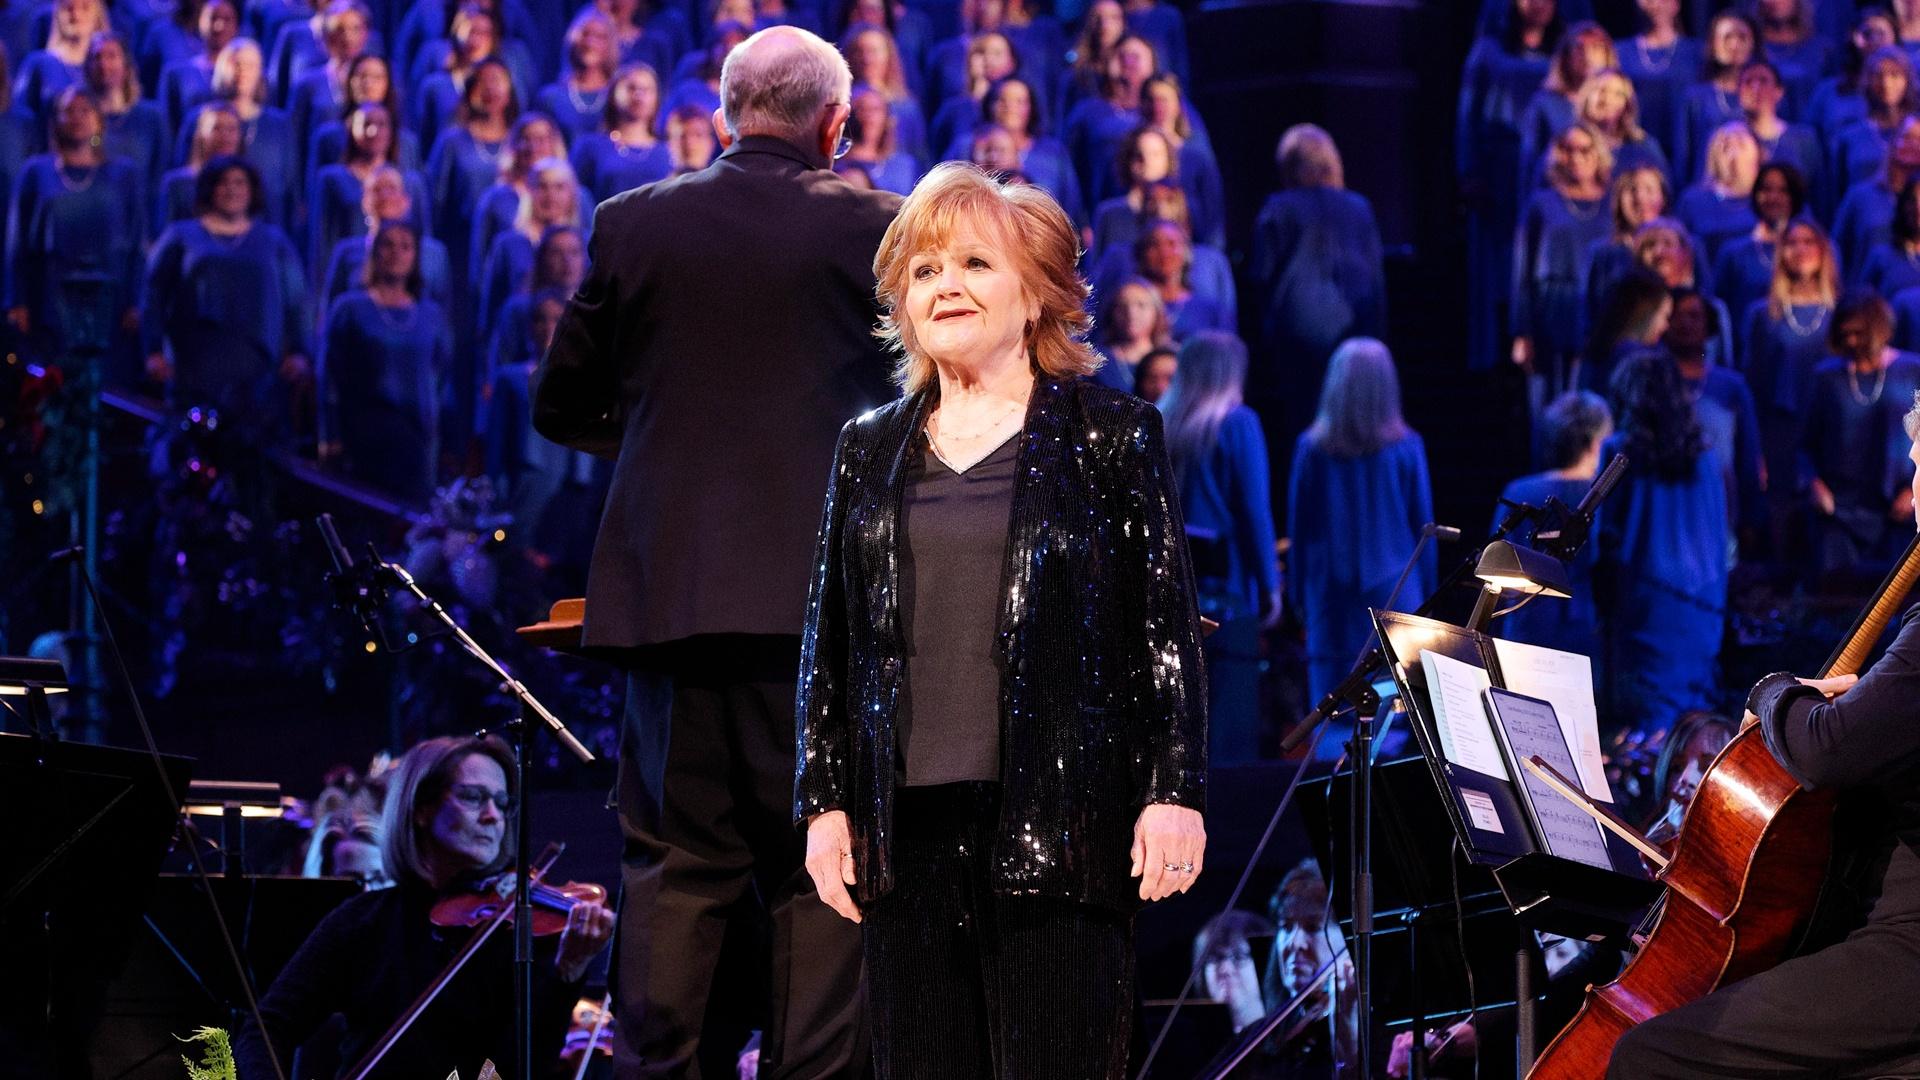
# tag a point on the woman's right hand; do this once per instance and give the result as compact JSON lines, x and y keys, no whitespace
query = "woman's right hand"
{"x":830,"y":861}
{"x":1523,"y":353}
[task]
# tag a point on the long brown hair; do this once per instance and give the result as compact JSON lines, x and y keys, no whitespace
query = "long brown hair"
{"x":418,"y":781}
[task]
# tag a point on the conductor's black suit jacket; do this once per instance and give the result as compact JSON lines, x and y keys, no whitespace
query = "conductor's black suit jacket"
{"x":719,"y":342}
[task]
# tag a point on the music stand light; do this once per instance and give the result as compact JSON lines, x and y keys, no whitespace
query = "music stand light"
{"x":33,"y":678}
{"x":1507,"y":567}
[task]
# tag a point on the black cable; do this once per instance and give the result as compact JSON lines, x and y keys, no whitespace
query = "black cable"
{"x":1460,"y":935}
{"x":173,"y":802}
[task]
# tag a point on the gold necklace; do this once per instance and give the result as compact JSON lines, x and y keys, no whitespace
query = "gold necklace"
{"x":983,"y":432}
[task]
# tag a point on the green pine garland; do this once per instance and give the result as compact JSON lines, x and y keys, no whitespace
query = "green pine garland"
{"x":216,"y":1056}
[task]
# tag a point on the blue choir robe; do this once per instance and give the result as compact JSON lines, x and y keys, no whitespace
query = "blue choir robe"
{"x":1549,"y":275}
{"x":1799,"y":146}
{"x":1723,"y":405}
{"x":346,"y":270}
{"x":1714,"y":219}
{"x":1094,"y":133}
{"x":1209,"y":275}
{"x":1801,"y":67}
{"x":576,"y":113}
{"x":334,"y":212}
{"x":173,"y":201}
{"x":40,"y":78}
{"x":1832,"y":107}
{"x":1663,"y":547}
{"x":1780,"y":357}
{"x":459,"y":170}
{"x":267,"y":142}
{"x":69,"y":226}
{"x":1165,"y":28}
{"x":1906,"y":320}
{"x":1859,"y":154}
{"x":427,"y":21}
{"x":380,"y":378}
{"x":1742,"y":274}
{"x":19,"y":135}
{"x":295,"y":50}
{"x":1355,"y":521}
{"x":139,"y":135}
{"x":1855,"y":442}
{"x":1864,"y":221}
{"x":693,"y":92}
{"x":1493,"y":91}
{"x":328,"y":145}
{"x":1707,"y":108}
{"x":1660,"y":79}
{"x":1570,"y":625}
{"x":165,"y":42}
{"x":184,"y":84}
{"x":1196,"y":313}
{"x":606,"y":168}
{"x":910,"y":127}
{"x":226,"y":310}
{"x":1317,"y":270}
{"x":1889,"y":270}
{"x":509,"y":264}
{"x":897,"y":172}
{"x":1548,"y":113}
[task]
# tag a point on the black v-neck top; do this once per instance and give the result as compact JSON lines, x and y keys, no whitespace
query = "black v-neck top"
{"x":955,"y":525}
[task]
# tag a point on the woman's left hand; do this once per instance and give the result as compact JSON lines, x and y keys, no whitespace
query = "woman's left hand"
{"x":589,"y":928}
{"x":1169,"y":849}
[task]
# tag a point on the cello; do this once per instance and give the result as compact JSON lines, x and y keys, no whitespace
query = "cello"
{"x":1747,"y":870}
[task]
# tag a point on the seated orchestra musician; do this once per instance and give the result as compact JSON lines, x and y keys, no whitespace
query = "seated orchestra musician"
{"x":1846,"y":1010}
{"x":445,"y":827}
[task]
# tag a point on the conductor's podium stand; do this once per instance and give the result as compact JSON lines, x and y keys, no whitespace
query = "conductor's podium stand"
{"x":561,"y":629}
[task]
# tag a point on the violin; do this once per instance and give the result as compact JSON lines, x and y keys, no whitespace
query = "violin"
{"x":493,"y":899}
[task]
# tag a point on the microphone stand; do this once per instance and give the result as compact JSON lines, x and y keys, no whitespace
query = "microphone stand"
{"x":369,"y":585}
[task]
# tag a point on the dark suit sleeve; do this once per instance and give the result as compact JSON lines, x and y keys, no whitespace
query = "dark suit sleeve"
{"x":1176,"y":701}
{"x":576,"y":391}
{"x":1867,"y":734}
{"x":823,"y":737}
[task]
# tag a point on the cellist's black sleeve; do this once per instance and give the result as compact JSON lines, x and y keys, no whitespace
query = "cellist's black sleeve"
{"x":1869,"y":733}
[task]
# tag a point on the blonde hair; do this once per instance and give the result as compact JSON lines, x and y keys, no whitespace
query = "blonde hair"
{"x":523,"y":222}
{"x":1826,"y":276}
{"x":1037,"y":236}
{"x":199,"y":153}
{"x":1308,"y":157}
{"x":1630,"y":129}
{"x":224,"y":62}
{"x":1602,"y":155}
{"x":1723,"y":137}
{"x":1644,"y":236}
{"x":1623,"y":184}
{"x":892,"y":83}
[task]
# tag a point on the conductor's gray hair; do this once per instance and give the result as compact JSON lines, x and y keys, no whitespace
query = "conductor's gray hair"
{"x":1911,"y":421}
{"x":778,"y":82}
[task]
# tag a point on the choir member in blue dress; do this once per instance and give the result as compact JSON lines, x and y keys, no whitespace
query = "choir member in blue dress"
{"x":910,"y":32}
{"x":1796,"y":144}
{"x":1573,"y":427}
{"x":1637,"y":196}
{"x":1664,"y":247}
{"x":1890,"y":96}
{"x":225,"y":321}
{"x":989,"y":58}
{"x":1584,"y":51}
{"x":949,"y":61}
{"x":577,"y":100}
{"x":1131,"y":323}
{"x":1719,"y":208}
{"x":465,"y":162}
{"x":188,"y":81}
{"x":334,"y":204}
{"x":1662,"y":64}
{"x":1041,"y":41}
{"x":876,"y":148}
{"x":1357,"y":498}
{"x":1786,"y":338}
{"x":426,"y":23}
{"x":1502,"y":72}
{"x":534,"y":139}
{"x":1164,"y":105}
{"x":1146,"y":158}
{"x":1743,"y":271}
{"x":1839,"y":100}
{"x":1100,"y":31}
{"x":472,"y":44}
{"x":628,"y":154}
{"x":168,"y":37}
{"x":642,"y":33}
{"x":1557,"y":228}
{"x":559,"y":263}
{"x":1097,"y":125}
{"x":1211,"y":273}
{"x":691,"y":142}
{"x":1163,"y":26}
{"x":369,"y":82}
{"x":1865,"y":218}
{"x":530,"y":470}
{"x":75,"y":215}
{"x":1715,"y":99}
{"x":386,"y":199}
{"x":387,"y":352}
{"x":1854,"y":450}
{"x":1790,"y":38}
{"x":1154,"y":375}
{"x":17,"y":30}
{"x":1632,"y":322}
{"x":20,"y":134}
{"x":1318,"y":274}
{"x":57,"y":64}
{"x":1219,"y":457}
{"x":135,"y":129}
{"x":696,"y":81}
{"x":266,"y":133}
{"x":216,"y":133}
{"x":874,"y":58}
{"x":1011,"y":104}
{"x":1662,"y":555}
{"x":1723,"y":404}
{"x":1607,"y":103}
{"x":295,"y":48}
{"x":1164,"y":255}
{"x":551,"y":201}
{"x":1893,"y":267}
{"x":317,"y":93}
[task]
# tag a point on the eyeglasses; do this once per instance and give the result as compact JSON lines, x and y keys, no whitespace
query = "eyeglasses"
{"x":474,"y":796}
{"x":842,"y":148}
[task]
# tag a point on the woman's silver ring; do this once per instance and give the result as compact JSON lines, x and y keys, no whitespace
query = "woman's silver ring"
{"x":846,"y":854}
{"x":1178,"y":868}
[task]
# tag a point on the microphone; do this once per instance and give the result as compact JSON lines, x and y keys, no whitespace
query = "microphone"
{"x":65,"y":555}
{"x":1446,"y":533}
{"x":356,"y":586}
{"x":1602,"y":486}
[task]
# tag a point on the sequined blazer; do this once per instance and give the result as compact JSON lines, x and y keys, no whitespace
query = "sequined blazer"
{"x":1102,"y":691}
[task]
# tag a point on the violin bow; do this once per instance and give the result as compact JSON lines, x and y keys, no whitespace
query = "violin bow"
{"x":593,"y":1035}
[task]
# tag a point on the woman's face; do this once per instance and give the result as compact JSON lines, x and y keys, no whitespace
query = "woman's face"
{"x":1687,"y":325}
{"x":1772,"y":198}
{"x":871,"y":111}
{"x":245,"y":66}
{"x":873,"y":12}
{"x":637,"y":96}
{"x":1110,"y":22}
{"x":1133,"y":313}
{"x":490,"y":89}
{"x":464,"y":829}
{"x":1731,"y":43}
{"x":1162,"y":104}
{"x":1800,"y":253}
{"x":593,"y":47}
{"x":479,"y":39}
{"x":1873,"y":32}
{"x":546,"y":319}
{"x":1578,"y":155}
{"x":1660,"y":12}
{"x":536,"y":140}
{"x":1152,"y":159}
{"x":372,"y":131}
{"x":232,"y":193}
{"x":386,"y":197}
{"x":107,"y":65}
{"x":370,"y":81}
{"x":1644,"y":198}
{"x":1760,"y":91}
{"x":1156,"y":377}
{"x":1013,"y":109}
{"x":692,"y":142}
{"x":394,"y":254}
{"x":347,"y":35}
{"x":554,"y":197}
{"x":73,"y":20}
{"x":1164,"y":258}
{"x":563,"y":258}
{"x":1594,"y":54}
{"x":219,"y":24}
{"x":1664,"y":254}
{"x":1860,"y":340}
{"x":78,"y":121}
{"x":966,"y":302}
{"x":994,"y":56}
{"x":995,"y":151}
{"x":1534,"y":14}
{"x":1737,"y":163}
{"x":221,"y":131}
{"x":1607,"y":103}
{"x":740,"y":11}
{"x":869,"y":56}
{"x":1136,"y":62}
{"x":1887,"y":83}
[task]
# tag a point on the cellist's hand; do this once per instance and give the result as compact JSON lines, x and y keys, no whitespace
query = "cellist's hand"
{"x":589,"y":928}
{"x":1834,"y":687}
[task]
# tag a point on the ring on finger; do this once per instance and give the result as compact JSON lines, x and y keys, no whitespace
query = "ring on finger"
{"x":1177,"y":868}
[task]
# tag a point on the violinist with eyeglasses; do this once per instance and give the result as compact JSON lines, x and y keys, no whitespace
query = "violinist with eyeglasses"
{"x":445,"y":830}
{"x":1847,"y":1010}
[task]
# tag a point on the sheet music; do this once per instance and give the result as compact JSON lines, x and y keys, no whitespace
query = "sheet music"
{"x":1566,"y":680}
{"x":1466,"y":736}
{"x":1531,"y":728}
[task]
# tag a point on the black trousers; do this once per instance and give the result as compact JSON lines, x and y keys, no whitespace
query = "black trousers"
{"x":1851,"y":1011}
{"x":706,"y":808}
{"x":969,"y":984}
